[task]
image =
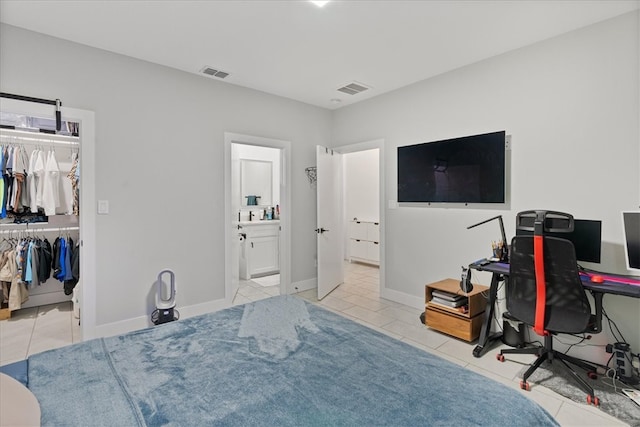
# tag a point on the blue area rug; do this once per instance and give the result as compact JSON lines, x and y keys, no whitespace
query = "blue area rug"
{"x":276,"y":362}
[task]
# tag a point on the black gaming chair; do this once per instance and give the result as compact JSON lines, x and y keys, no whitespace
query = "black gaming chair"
{"x":544,"y":291}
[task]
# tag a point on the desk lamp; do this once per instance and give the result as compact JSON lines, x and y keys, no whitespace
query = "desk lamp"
{"x":504,"y":257}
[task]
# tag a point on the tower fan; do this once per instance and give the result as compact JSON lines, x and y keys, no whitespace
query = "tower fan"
{"x":165,"y":308}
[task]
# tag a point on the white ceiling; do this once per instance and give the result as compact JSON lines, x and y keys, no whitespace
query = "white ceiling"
{"x":300,"y":51}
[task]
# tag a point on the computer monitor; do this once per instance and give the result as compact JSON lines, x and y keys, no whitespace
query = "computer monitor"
{"x":631,"y":229}
{"x":586,"y":238}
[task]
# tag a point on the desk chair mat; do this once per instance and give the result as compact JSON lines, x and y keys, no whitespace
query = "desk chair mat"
{"x":553,"y":377}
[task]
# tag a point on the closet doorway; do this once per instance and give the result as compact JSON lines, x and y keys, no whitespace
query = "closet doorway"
{"x":257,"y":212}
{"x":362,"y":163}
{"x":82,"y":222}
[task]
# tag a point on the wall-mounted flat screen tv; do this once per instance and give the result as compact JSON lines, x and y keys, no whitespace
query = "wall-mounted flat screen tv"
{"x":469,"y":169}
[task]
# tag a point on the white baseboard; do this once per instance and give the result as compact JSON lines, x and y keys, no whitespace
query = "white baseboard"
{"x":136,"y":323}
{"x":402,"y":298}
{"x":303,"y":285}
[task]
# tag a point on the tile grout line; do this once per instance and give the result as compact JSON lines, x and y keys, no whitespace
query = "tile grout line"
{"x":33,"y":329}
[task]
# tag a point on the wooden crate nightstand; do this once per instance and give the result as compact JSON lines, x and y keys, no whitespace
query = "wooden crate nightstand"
{"x":463,"y":324}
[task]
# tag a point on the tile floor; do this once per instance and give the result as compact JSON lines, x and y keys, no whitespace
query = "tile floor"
{"x":359,"y":299}
{"x":33,"y":330}
{"x":36,"y":329}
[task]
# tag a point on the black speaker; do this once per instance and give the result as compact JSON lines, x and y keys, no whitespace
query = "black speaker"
{"x":465,"y":280}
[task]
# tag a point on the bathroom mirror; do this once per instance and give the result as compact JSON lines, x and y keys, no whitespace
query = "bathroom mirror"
{"x":256,"y":182}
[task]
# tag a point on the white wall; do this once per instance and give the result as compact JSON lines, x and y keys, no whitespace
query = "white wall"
{"x":361,"y":188}
{"x":159,"y":162}
{"x":571,"y":104}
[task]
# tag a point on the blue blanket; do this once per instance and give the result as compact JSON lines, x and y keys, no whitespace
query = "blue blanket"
{"x":276,"y":362}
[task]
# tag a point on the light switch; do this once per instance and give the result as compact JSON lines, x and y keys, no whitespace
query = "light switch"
{"x":103,"y":207}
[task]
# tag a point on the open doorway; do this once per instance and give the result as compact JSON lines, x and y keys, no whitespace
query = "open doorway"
{"x":257,"y":215}
{"x":369,"y":157}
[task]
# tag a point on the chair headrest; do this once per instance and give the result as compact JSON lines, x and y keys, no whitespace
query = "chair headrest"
{"x":541,"y":221}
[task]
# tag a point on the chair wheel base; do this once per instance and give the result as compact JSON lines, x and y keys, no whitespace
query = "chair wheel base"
{"x":592,"y":375}
{"x":500,"y":357}
{"x":593,"y":400}
{"x":525,"y":386}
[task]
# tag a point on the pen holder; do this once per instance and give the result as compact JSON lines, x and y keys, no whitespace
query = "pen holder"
{"x":497,"y":253}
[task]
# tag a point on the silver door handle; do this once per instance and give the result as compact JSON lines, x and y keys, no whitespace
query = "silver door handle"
{"x":321,"y":230}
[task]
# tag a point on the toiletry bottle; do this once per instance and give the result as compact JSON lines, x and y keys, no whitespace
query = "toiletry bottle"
{"x":277,"y":211}
{"x":273,"y":213}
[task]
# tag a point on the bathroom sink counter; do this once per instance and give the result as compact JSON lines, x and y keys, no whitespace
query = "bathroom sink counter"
{"x":260,"y":248}
{"x":260,"y":222}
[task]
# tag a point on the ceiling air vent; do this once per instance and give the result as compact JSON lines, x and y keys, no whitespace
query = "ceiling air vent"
{"x":214,"y":73}
{"x":353,"y":88}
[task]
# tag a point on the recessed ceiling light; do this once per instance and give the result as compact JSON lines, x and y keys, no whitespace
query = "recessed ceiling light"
{"x":319,"y":3}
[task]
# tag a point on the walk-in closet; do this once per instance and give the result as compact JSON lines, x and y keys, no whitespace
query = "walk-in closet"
{"x":39,"y":211}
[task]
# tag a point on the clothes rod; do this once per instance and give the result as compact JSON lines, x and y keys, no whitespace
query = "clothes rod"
{"x":38,"y":229}
{"x":26,"y":139}
{"x":56,"y":102}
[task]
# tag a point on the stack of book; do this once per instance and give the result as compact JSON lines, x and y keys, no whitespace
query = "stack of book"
{"x":450,"y":300}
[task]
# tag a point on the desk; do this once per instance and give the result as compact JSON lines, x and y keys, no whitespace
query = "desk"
{"x":613,"y":284}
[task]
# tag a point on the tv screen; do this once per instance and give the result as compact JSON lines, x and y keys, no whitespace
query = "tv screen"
{"x":586,"y":238}
{"x":469,"y":169}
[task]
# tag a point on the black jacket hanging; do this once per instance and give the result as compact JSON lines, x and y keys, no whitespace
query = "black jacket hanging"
{"x":75,"y":270}
{"x":44,"y":268}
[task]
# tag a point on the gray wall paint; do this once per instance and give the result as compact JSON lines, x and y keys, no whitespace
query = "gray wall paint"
{"x":159,"y":161}
{"x":571,"y":105}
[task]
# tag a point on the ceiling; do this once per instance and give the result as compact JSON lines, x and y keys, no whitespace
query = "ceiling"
{"x":299,"y":51}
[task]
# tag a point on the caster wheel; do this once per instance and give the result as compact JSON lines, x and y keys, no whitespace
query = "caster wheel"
{"x":500,"y":357}
{"x":593,"y":400}
{"x":525,"y":386}
{"x":592,"y":375}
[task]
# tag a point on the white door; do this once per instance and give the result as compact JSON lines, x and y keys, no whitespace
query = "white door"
{"x":237,"y":230}
{"x":329,"y":230}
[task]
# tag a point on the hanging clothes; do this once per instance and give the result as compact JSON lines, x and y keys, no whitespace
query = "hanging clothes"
{"x":18,"y":293}
{"x":27,"y":268}
{"x":19,"y":173}
{"x":3,"y":189}
{"x":39,"y":172}
{"x":50,"y":196}
{"x":5,"y":272}
{"x":73,"y":175}
{"x":35,"y":262}
{"x":57,"y":261}
{"x":32,"y":181}
{"x":68,"y":275}
{"x":45,"y":257}
{"x":70,"y":284}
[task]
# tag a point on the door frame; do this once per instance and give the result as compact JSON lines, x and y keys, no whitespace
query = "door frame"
{"x":364,"y":146}
{"x":285,"y":208}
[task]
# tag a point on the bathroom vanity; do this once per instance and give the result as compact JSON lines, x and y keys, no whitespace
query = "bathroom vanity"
{"x":260,"y":251}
